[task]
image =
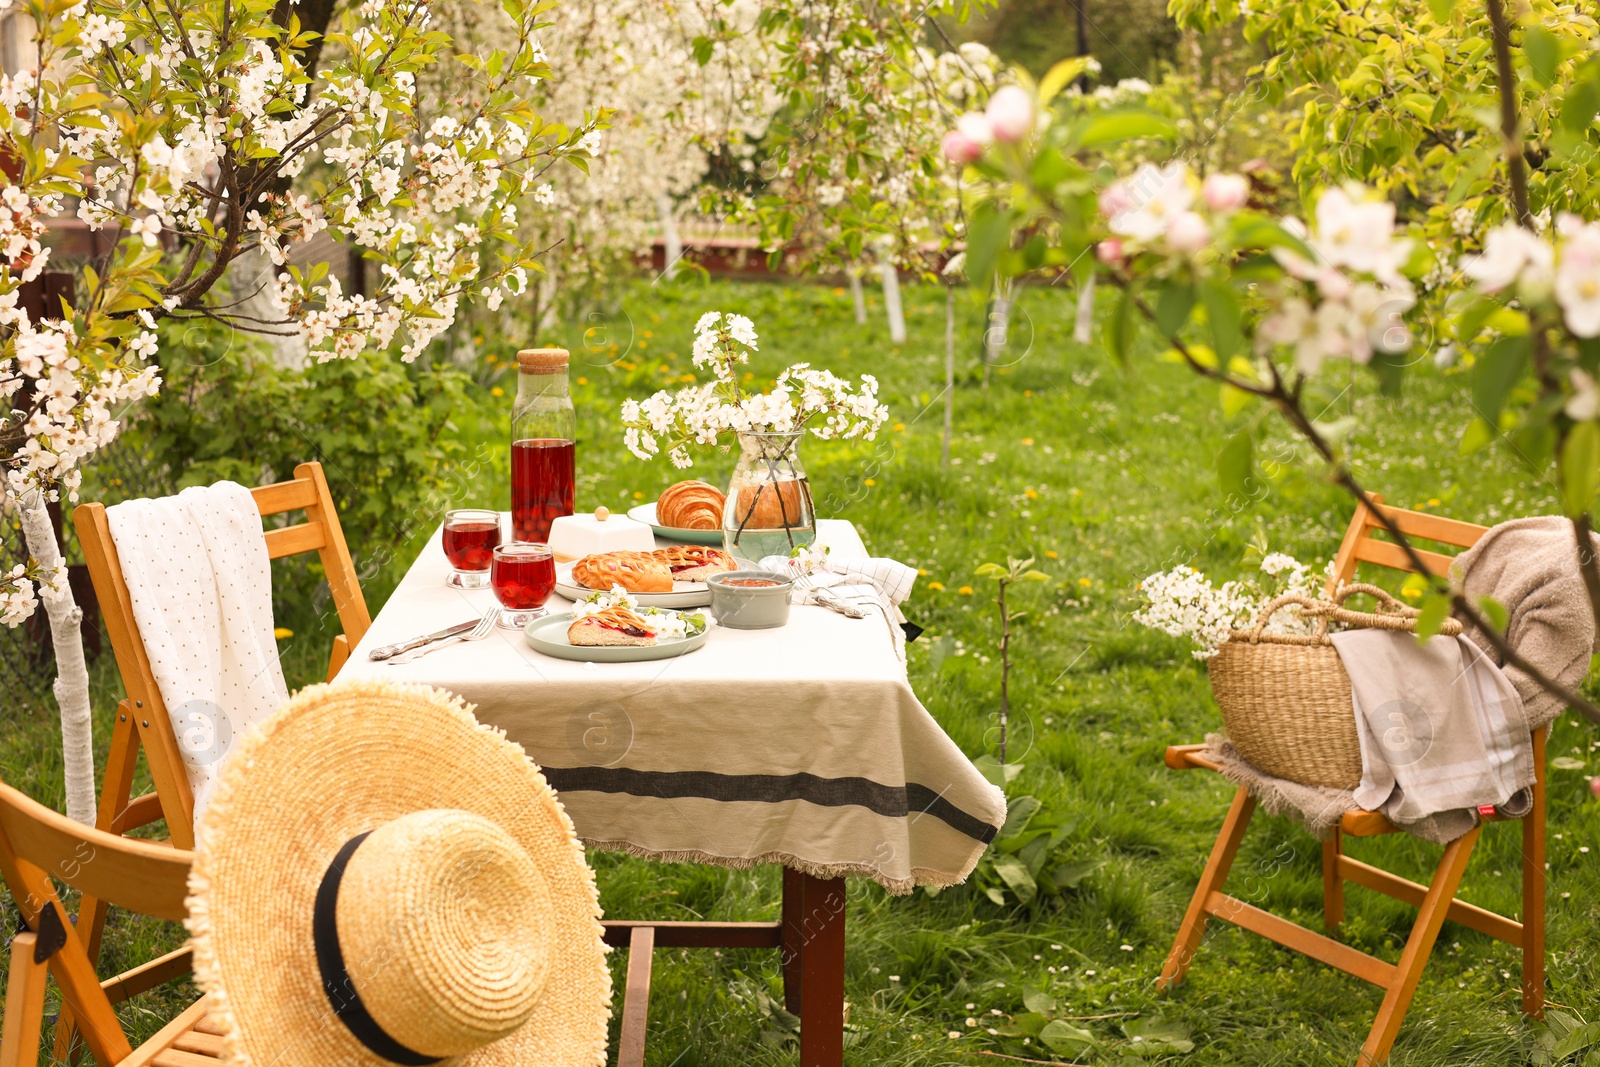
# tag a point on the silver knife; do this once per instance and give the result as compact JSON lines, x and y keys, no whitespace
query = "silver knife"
{"x":833,"y":602}
{"x":386,"y":651}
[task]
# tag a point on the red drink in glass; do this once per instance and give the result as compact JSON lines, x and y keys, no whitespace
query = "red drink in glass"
{"x":523,"y":576}
{"x":469,"y":538}
{"x":541,"y":486}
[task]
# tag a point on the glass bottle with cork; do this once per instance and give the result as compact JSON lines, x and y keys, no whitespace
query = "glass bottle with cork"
{"x":543,"y":429}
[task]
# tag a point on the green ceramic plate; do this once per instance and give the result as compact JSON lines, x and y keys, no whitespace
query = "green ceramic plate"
{"x":646,"y":513}
{"x":549,"y":635}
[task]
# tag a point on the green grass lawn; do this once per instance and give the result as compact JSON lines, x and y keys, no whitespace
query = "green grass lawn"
{"x":1104,"y":475}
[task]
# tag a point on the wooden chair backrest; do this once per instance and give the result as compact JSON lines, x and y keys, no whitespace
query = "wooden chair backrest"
{"x":1361,"y":546}
{"x":319,"y":533}
{"x":38,"y":844}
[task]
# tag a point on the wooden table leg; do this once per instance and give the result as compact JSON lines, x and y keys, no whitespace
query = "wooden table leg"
{"x":813,"y":964}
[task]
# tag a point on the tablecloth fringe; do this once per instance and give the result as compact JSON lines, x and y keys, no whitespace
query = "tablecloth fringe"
{"x":896,"y":886}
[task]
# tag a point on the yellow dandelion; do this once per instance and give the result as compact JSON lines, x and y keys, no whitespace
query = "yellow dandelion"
{"x":644,"y":344}
{"x":649,"y":333}
{"x":837,"y":291}
{"x":937,"y":587}
{"x":1027,"y":392}
{"x":1027,"y":442}
{"x":583,"y":381}
{"x":871,"y":481}
{"x":922,"y":572}
{"x":497,"y":391}
{"x":965,"y":590}
{"x":898,"y":427}
{"x":1433,"y":501}
{"x":638,"y":496}
{"x":1086,"y":582}
{"x":1051,"y":553}
{"x":1031,"y":494}
{"x":282,"y":632}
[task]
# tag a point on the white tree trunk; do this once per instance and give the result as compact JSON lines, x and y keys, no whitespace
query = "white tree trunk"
{"x":1082,"y":330}
{"x":949,"y":370}
{"x":72,"y":672}
{"x":999,"y":325}
{"x":669,"y":234}
{"x":891,"y":301}
{"x":859,"y":296}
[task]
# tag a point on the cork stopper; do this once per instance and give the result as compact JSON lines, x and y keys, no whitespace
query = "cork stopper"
{"x":542,"y":361}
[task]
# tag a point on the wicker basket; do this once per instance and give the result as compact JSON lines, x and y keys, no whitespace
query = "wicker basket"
{"x":1285,"y":698}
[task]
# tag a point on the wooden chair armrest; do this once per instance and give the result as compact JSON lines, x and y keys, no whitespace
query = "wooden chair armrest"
{"x":341,"y":652}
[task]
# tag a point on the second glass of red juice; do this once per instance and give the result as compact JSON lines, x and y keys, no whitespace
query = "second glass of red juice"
{"x":523,"y":576}
{"x":543,"y":427}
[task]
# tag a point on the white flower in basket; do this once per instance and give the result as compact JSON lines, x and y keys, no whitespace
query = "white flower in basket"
{"x":1184,"y":603}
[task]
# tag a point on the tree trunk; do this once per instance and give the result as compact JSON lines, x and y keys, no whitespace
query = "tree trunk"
{"x":72,"y":672}
{"x":859,"y":296}
{"x":1082,"y":329}
{"x":998,"y":325}
{"x":669,"y":236}
{"x":949,"y":370}
{"x":891,"y":301}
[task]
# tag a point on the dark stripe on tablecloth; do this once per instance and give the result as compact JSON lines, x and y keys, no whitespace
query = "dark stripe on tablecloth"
{"x":894,"y":801}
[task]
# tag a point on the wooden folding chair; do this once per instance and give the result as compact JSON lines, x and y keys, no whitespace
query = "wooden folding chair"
{"x":37,"y":845}
{"x":1435,"y":901}
{"x":142,"y":721}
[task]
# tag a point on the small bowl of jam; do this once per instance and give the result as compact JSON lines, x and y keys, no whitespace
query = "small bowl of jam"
{"x":750,"y":599}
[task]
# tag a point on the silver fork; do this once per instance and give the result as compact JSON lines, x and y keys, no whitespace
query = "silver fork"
{"x":828,"y":598}
{"x":477,"y":633}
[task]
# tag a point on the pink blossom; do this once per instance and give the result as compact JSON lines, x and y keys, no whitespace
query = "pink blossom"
{"x":1109,"y":251}
{"x":959,"y":148}
{"x":1187,"y":232}
{"x":1010,"y":113}
{"x":1225,"y":192}
{"x":1115,"y":199}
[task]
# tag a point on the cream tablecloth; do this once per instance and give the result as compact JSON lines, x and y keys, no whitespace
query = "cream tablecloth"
{"x":803,"y":746}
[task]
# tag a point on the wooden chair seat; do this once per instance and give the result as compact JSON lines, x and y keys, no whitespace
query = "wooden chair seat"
{"x":1435,"y":902}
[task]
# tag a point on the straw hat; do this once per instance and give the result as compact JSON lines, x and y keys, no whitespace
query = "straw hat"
{"x":382,"y":880}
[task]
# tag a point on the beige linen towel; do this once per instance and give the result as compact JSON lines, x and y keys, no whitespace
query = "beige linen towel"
{"x":1531,"y":566}
{"x":1442,"y":730}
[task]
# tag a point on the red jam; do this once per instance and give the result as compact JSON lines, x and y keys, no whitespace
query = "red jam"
{"x":631,"y":631}
{"x":752,"y":583}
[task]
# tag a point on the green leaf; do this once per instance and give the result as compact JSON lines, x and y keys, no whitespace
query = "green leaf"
{"x":1441,"y":9}
{"x":703,"y":47}
{"x":1543,"y":50}
{"x":1569,"y":763}
{"x":1109,"y":127}
{"x":990,"y":768}
{"x":1121,"y":333}
{"x":1060,"y":76}
{"x":1070,"y":875}
{"x":1581,"y":104}
{"x":1497,"y":371}
{"x":1580,"y":467}
{"x":1156,"y":1037}
{"x":1173,"y":305}
{"x":1495,"y":612}
{"x":1576,"y":1040}
{"x":1064,"y":1038}
{"x":1223,"y":311}
{"x":1435,"y":609}
{"x":1014,"y":873}
{"x":1235,"y":462}
{"x":1476,"y":436}
{"x":1018,"y":812}
{"x":988,"y":235}
{"x":1038,"y":1000}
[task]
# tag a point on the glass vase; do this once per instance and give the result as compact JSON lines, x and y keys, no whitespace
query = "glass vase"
{"x":769,"y":510}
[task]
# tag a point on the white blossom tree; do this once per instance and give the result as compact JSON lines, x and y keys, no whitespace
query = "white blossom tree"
{"x":194,"y":133}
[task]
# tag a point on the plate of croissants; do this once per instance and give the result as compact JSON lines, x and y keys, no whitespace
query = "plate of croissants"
{"x":672,"y":577}
{"x":687,"y":511}
{"x":614,"y":627}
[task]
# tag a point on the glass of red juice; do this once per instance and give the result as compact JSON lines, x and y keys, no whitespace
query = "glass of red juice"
{"x":523,"y":575}
{"x":470,"y":536}
{"x":541,"y":485}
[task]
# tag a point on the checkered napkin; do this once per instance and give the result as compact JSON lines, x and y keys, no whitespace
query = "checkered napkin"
{"x":876,"y":582}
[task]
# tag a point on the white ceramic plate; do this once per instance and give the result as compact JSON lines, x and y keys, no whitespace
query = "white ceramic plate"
{"x":549,"y":635}
{"x":646,"y":513}
{"x":683,"y":595}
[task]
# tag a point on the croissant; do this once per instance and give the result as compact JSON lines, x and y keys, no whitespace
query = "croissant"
{"x":690,"y":506}
{"x":637,"y":572}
